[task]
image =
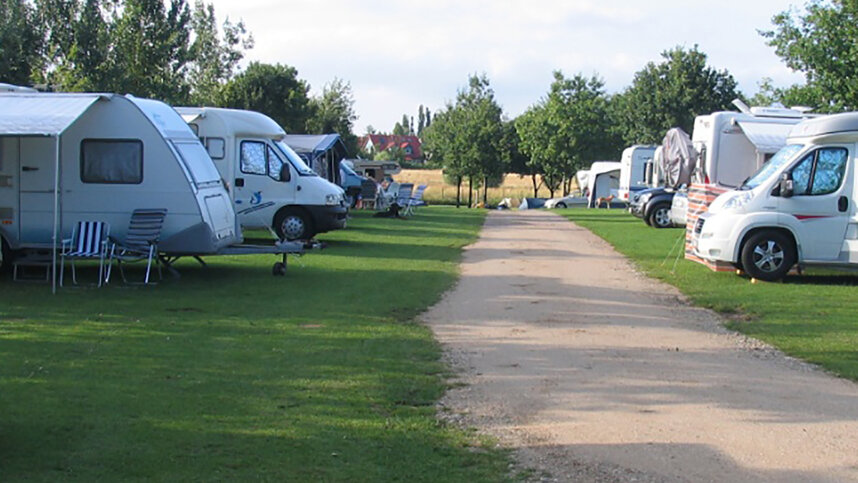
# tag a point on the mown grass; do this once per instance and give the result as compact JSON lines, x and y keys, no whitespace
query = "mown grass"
{"x":812,"y":316}
{"x":232,"y":374}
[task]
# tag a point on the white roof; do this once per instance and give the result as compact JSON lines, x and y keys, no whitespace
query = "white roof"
{"x":767,"y":137}
{"x":600,"y":167}
{"x":41,"y":114}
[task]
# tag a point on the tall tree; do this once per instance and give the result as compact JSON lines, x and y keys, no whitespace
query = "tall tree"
{"x":214,"y":56}
{"x":21,"y":42}
{"x":333,"y":112}
{"x":81,"y":44}
{"x":421,"y":120}
{"x":468,"y":136}
{"x":274,"y":90}
{"x":670,"y":94}
{"x":821,"y":43}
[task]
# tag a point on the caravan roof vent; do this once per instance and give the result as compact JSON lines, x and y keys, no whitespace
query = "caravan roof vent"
{"x":776,"y":112}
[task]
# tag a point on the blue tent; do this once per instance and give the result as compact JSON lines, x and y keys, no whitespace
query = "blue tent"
{"x":323,"y":152}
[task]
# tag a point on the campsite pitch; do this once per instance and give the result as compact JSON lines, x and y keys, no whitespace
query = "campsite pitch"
{"x":592,"y":372}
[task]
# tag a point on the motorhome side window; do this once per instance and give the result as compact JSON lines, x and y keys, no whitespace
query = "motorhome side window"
{"x":216,"y":147}
{"x":253,"y":158}
{"x":111,"y":161}
{"x":820,"y":172}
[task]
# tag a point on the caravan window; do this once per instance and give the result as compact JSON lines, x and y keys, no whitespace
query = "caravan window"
{"x":216,"y":147}
{"x":253,"y":157}
{"x":198,"y":162}
{"x":111,"y":161}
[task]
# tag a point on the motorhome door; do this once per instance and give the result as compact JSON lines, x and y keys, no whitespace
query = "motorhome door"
{"x":821,"y":201}
{"x":36,"y":161}
{"x":259,"y":191}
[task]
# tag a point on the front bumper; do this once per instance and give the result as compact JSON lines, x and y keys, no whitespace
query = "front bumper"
{"x":328,"y":218}
{"x":714,"y":237}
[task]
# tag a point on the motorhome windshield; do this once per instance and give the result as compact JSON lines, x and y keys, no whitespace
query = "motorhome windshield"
{"x":198,"y":162}
{"x":297,"y":163}
{"x":773,"y":166}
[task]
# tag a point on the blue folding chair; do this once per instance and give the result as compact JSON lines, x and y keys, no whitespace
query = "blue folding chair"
{"x":89,"y":241}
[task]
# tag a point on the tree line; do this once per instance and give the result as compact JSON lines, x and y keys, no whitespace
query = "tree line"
{"x":172,"y":51}
{"x":178,"y":52}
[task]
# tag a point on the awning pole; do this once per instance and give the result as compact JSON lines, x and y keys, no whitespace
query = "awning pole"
{"x":56,"y":214}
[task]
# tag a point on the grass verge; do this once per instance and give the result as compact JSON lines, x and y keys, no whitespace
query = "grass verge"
{"x":812,"y":317}
{"x":231,"y":374}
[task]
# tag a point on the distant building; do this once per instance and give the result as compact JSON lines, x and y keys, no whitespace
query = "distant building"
{"x":376,"y":143}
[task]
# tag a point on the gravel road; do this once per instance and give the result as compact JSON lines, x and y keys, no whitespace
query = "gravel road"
{"x":593,"y":372}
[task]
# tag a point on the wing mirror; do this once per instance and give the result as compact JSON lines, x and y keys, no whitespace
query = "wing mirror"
{"x":285,"y":175}
{"x":786,"y":186}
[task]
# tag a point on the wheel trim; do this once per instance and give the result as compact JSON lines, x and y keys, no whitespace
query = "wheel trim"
{"x":768,"y":256}
{"x":292,"y":227}
{"x":662,"y":217}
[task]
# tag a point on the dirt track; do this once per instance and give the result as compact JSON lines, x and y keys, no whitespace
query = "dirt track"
{"x":592,"y":372}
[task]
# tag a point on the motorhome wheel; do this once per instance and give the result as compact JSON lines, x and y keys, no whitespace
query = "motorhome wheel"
{"x":293,"y":224}
{"x":659,"y":217}
{"x":768,"y":255}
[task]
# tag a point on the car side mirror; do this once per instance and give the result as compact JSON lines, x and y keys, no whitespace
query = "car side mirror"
{"x":786,"y":186}
{"x":285,"y":175}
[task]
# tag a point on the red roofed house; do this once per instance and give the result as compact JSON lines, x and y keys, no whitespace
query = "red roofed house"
{"x":376,"y":143}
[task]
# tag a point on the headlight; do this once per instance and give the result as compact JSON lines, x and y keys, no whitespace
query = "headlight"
{"x":332,"y":200}
{"x":738,"y":201}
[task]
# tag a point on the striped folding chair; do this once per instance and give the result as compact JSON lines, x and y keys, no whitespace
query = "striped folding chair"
{"x":141,"y":242}
{"x":89,"y":241}
{"x":415,"y":200}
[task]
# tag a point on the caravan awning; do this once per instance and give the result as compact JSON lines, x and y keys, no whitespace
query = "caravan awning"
{"x":41,"y":114}
{"x":767,"y":137}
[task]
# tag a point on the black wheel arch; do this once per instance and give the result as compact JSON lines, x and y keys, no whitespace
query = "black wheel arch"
{"x":757,"y":229}
{"x":288,"y":209}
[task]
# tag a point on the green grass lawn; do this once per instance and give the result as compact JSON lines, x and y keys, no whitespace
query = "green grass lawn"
{"x":232,"y":374}
{"x":813,"y":316}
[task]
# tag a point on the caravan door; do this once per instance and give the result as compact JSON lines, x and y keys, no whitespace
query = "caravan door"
{"x":36,"y":161}
{"x":821,"y":203}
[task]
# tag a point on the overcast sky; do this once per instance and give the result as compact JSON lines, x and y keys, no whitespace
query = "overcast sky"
{"x":400,"y":54}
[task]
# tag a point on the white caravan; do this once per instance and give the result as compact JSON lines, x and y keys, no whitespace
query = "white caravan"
{"x":270,"y":185}
{"x":798,"y":208}
{"x":603,"y":181}
{"x":634,"y":162}
{"x":65,"y":158}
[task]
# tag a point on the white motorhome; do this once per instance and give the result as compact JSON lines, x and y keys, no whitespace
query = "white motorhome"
{"x":799,"y":208}
{"x":71,"y":157}
{"x":271,"y":186}
{"x":603,"y":181}
{"x":634,"y":162}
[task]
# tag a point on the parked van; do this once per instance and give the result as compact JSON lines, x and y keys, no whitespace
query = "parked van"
{"x":65,"y":158}
{"x":633,"y":170}
{"x":270,"y":185}
{"x":800,"y":208}
{"x":732,"y":146}
{"x":603,"y":181}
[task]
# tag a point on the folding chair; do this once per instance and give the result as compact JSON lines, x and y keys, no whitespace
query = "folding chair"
{"x":89,"y":241}
{"x":141,"y":242}
{"x":415,"y":200}
{"x":404,"y":194}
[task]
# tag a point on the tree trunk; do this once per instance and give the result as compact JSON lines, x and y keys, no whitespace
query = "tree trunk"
{"x":470,"y":192}
{"x":535,"y":186}
{"x":485,"y":191}
{"x":458,"y":190}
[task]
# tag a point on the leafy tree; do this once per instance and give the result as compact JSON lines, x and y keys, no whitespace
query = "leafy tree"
{"x":333,"y":111}
{"x":274,"y":90}
{"x":534,"y":130}
{"x":213,"y":57}
{"x":21,"y":42}
{"x":467,"y":136}
{"x":669,"y":94}
{"x":821,"y":43}
{"x":151,"y":48}
{"x":421,"y":120}
{"x":81,"y":44}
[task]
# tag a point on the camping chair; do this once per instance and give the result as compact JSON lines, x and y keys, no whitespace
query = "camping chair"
{"x":89,"y":240}
{"x":141,"y":242}
{"x":415,"y":200}
{"x":404,"y":194}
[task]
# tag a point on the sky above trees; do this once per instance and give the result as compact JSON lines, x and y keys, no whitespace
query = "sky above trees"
{"x":398,"y":55}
